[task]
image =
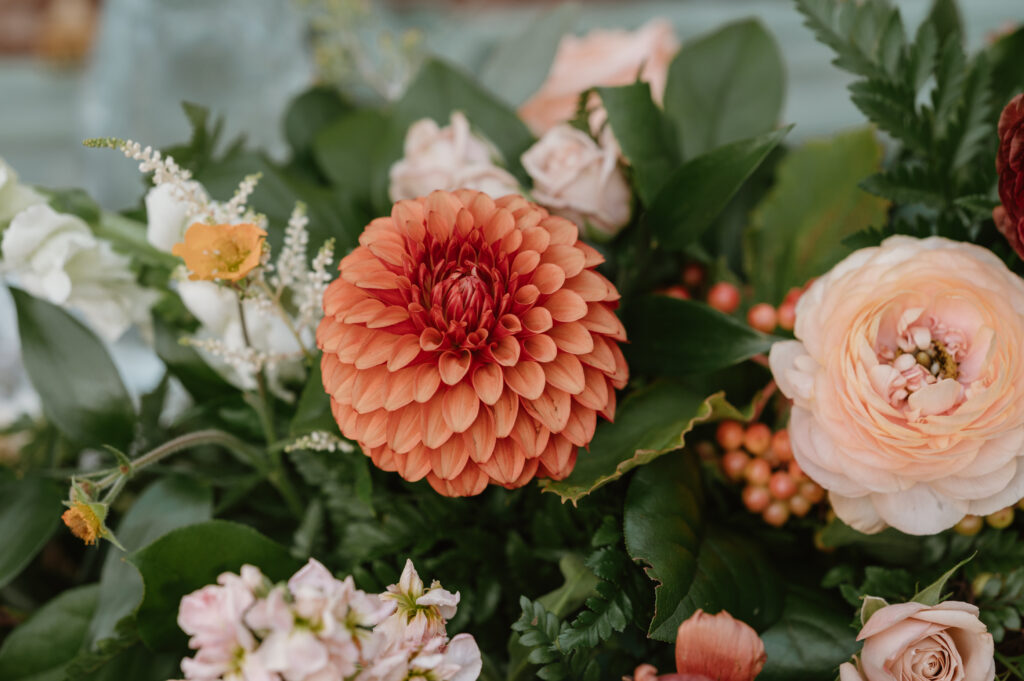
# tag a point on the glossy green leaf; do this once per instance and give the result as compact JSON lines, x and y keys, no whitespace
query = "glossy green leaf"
{"x":696,"y":193}
{"x":695,"y":564}
{"x":41,"y":648}
{"x":313,"y":411}
{"x":798,"y":229}
{"x":579,"y":585}
{"x":1006,"y":55}
{"x":81,"y":390}
{"x":649,"y":423}
{"x":811,"y":639}
{"x":30,"y":511}
{"x":671,"y":337}
{"x":167,"y":504}
{"x":646,"y":137}
{"x":518,"y":64}
{"x":189,"y":558}
{"x":311,"y":112}
{"x":934,"y":592}
{"x":356,"y":151}
{"x":439,"y":89}
{"x":725,"y":86}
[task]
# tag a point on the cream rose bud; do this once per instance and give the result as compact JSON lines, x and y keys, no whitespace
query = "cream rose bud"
{"x":447,"y":158}
{"x":579,"y":179}
{"x":14,"y":196}
{"x":905,"y":379}
{"x":915,"y":642}
{"x":55,"y":256}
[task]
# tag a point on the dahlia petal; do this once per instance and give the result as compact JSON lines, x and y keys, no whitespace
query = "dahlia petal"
{"x":621,"y":375}
{"x":549,"y":277}
{"x":440,"y":222}
{"x":464,"y":222}
{"x":460,"y":407}
{"x":410,"y":219}
{"x":349,"y":345}
{"x":328,"y":333}
{"x":512,"y":242}
{"x":580,"y":428}
{"x":403,"y":428}
{"x":375,"y":350}
{"x":505,"y":464}
{"x":345,"y":378}
{"x":470,"y":482}
{"x":558,"y":458}
{"x":340,"y":296}
{"x":525,"y":262}
{"x":405,"y":350}
{"x":415,"y":465}
{"x":428,"y":379}
{"x":526,"y":378}
{"x":505,"y":351}
{"x":572,"y":337}
{"x":373,"y":428}
{"x":601,"y":357}
{"x":505,"y":410}
{"x":552,"y":408}
{"x":449,"y":461}
{"x":384,"y":459}
{"x":363,"y":311}
{"x":529,"y":471}
{"x":368,"y":389}
{"x":341,"y":412}
{"x":531,"y":435}
{"x":488,"y":382}
{"x":534,"y":238}
{"x":569,"y":258}
{"x":434,"y":429}
{"x":510,"y":323}
{"x":566,"y":306}
{"x":392,"y":314}
{"x":591,"y":256}
{"x":390,"y":251}
{"x":590,"y":286}
{"x":383,"y":280}
{"x":595,"y":390}
{"x":608,"y":413}
{"x":527,"y":295}
{"x":454,"y":365}
{"x":601,"y":319}
{"x":480,"y":437}
{"x":537,"y":320}
{"x":430,"y":339}
{"x":500,"y":224}
{"x":563,"y":232}
{"x":565,"y":372}
{"x":540,"y":348}
{"x":401,"y":388}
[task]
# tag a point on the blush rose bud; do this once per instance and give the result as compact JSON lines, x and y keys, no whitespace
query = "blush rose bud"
{"x":712,"y":648}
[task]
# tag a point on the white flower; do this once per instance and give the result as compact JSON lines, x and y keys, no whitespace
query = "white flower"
{"x":447,"y":158}
{"x":420,"y":614}
{"x":166,"y":216}
{"x":54,"y":256}
{"x":14,"y":196}
{"x":579,"y":179}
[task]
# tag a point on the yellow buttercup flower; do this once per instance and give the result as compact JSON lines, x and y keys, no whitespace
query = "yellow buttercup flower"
{"x":220,"y":252}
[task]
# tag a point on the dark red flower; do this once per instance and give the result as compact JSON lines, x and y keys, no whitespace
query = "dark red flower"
{"x":1009,"y":217}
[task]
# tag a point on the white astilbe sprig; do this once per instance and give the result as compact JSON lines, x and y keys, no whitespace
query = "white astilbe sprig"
{"x":320,"y":441}
{"x":311,"y":293}
{"x":291,"y":263}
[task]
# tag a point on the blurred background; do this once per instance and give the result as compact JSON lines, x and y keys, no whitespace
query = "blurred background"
{"x":73,"y":69}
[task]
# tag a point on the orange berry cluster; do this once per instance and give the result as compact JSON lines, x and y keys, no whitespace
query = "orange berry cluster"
{"x":1000,"y":520}
{"x":775,"y":486}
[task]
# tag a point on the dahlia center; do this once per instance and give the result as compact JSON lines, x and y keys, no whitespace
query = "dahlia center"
{"x":464,"y":296}
{"x":919,"y":373}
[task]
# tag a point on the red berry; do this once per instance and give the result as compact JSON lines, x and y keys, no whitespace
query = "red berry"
{"x":729,"y":435}
{"x":755,"y":498}
{"x":734,"y":463}
{"x":793,"y":295}
{"x":758,"y":472}
{"x":758,"y":438}
{"x":781,"y":446}
{"x":676,"y":291}
{"x":762,"y":317}
{"x":799,"y":506}
{"x":811,"y":491}
{"x":693,"y":275}
{"x":787,"y":316}
{"x":724,"y":297}
{"x":776,"y":514}
{"x":782,"y":485}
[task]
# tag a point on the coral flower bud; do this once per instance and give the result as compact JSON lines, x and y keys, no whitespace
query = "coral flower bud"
{"x":718,"y":647}
{"x":724,"y":297}
{"x":220,"y":252}
{"x":676,"y":291}
{"x":762,"y":317}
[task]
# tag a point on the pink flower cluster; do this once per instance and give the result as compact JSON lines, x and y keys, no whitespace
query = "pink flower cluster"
{"x":319,"y":628}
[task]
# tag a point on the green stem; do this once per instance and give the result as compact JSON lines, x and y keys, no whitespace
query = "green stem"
{"x":1003,"y":660}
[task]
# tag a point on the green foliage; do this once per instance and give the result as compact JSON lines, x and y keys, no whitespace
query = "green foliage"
{"x":951,"y":134}
{"x":539,"y":630}
{"x":29,"y":513}
{"x":42,"y":647}
{"x":809,"y":641}
{"x":308,"y":114}
{"x":81,"y":389}
{"x":725,"y":86}
{"x":797,"y":230}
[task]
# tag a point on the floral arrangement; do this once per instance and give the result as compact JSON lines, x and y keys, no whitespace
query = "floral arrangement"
{"x":651,"y":384}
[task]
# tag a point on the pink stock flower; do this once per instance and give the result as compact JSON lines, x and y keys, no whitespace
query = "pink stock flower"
{"x":905,"y":380}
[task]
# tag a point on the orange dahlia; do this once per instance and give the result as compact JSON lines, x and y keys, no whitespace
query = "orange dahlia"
{"x":469,"y":340}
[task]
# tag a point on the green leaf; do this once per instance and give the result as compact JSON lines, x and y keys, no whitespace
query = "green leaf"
{"x":188,"y":559}
{"x":695,"y":565}
{"x":75,"y":202}
{"x":79,"y":385}
{"x":579,"y":585}
{"x":356,"y":151}
{"x":907,"y":184}
{"x":945,"y":17}
{"x":30,"y":511}
{"x":646,"y":137}
{"x":671,"y":337}
{"x":42,"y":647}
{"x":809,"y":642}
{"x":185,"y":364}
{"x":869,"y":606}
{"x":1006,"y":55}
{"x":798,"y":229}
{"x":313,"y":412}
{"x":933,"y":593}
{"x":725,"y":86}
{"x":699,"y":190}
{"x":439,"y":89}
{"x":311,"y":112}
{"x":649,"y":423}
{"x":518,"y":64}
{"x":167,"y":504}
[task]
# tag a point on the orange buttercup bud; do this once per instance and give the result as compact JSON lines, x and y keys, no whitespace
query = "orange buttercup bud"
{"x":83,"y":522}
{"x":221,"y":252}
{"x":718,"y":647}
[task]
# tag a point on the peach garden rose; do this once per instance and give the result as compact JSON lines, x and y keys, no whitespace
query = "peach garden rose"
{"x":904,"y":379}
